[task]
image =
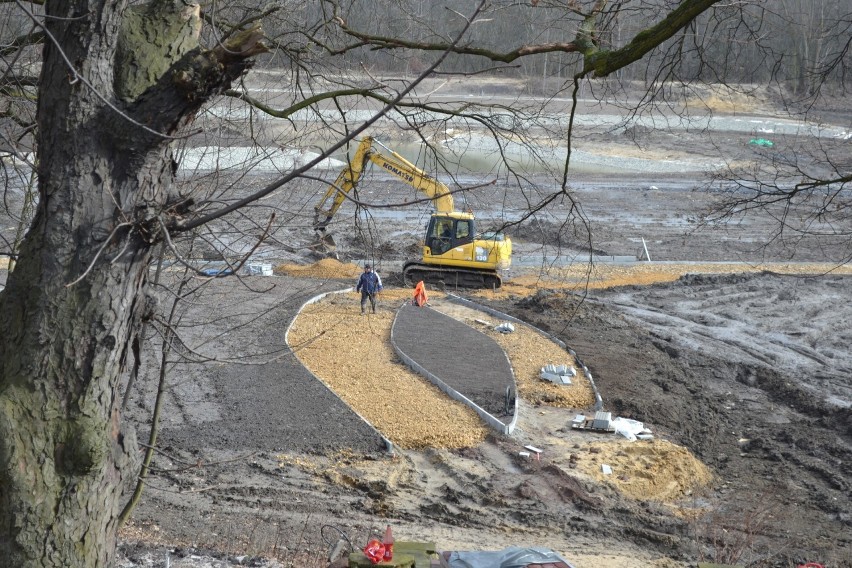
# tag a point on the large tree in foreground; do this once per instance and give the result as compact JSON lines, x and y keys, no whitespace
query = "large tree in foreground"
{"x":116,"y":84}
{"x":119,"y":86}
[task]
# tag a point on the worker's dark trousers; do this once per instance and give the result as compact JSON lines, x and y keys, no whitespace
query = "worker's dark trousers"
{"x":367,"y":296}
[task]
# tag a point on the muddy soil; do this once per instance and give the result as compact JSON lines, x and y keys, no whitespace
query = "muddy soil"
{"x":746,"y":371}
{"x":775,"y":440}
{"x":749,"y":372}
{"x":724,"y":366}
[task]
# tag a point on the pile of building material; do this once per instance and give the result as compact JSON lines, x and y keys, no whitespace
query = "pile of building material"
{"x":558,"y":374}
{"x":602,"y":422}
{"x":258,"y":269}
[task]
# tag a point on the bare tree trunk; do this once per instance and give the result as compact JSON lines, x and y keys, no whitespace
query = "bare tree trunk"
{"x":77,"y":296}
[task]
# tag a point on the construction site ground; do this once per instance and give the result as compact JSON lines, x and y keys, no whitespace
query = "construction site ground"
{"x":731,"y":346}
{"x":747,"y":462}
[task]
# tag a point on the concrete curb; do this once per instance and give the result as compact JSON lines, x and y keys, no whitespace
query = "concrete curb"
{"x":491,"y":420}
{"x":388,"y":444}
{"x":496,"y":313}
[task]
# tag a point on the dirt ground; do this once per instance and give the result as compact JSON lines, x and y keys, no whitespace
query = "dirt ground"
{"x":742,"y":378}
{"x":739,"y":366}
{"x":747,"y":463}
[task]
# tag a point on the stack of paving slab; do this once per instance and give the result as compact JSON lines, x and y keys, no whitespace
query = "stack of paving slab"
{"x":558,"y":374}
{"x":602,"y":422}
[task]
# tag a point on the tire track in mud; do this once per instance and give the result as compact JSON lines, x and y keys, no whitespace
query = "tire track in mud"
{"x":752,"y":323}
{"x":680,"y":328}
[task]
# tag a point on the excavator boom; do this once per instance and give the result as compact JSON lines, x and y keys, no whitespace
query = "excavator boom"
{"x":439,"y":193}
{"x":393,"y":163}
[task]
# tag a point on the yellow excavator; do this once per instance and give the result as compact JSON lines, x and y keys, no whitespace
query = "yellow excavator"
{"x":454,"y":254}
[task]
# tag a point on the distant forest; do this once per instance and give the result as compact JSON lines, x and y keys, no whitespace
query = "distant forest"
{"x":797,"y":44}
{"x":800,"y":45}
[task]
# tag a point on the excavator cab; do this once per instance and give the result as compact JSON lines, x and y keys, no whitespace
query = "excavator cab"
{"x":445,"y":233}
{"x":455,"y":255}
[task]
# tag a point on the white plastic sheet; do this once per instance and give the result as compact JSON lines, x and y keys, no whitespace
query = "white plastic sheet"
{"x":627,"y":427}
{"x":505,"y":327}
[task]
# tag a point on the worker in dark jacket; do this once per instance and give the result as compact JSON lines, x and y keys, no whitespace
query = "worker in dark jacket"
{"x":369,"y":284}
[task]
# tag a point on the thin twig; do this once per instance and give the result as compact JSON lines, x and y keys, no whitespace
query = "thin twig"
{"x":98,"y":254}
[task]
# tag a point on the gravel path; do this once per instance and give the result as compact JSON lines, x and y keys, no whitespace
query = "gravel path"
{"x":280,"y":406}
{"x":465,"y":359}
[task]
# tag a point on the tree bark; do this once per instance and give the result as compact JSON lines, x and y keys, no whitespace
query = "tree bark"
{"x":77,"y":295}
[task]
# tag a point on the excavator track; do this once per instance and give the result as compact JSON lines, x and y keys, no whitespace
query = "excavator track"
{"x":449,"y":277}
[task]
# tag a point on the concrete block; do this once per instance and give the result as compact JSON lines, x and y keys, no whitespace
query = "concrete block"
{"x":558,"y":374}
{"x":602,"y":420}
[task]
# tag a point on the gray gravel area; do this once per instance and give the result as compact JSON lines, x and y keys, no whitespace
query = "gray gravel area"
{"x":261,"y":397}
{"x":465,"y":359}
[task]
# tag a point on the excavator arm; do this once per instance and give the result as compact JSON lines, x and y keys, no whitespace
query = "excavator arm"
{"x":393,"y":163}
{"x":439,"y":193}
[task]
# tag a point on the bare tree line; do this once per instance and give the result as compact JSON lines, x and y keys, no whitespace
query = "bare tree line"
{"x":798,"y":44}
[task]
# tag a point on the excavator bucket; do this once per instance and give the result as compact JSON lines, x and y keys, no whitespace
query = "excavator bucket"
{"x":328,"y":242}
{"x":324,"y":244}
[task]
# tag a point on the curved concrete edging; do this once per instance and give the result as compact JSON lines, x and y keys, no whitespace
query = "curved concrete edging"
{"x":472,"y":304}
{"x":488,"y":418}
{"x":314,"y":300}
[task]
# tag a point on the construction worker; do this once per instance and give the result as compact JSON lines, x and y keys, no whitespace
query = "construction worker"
{"x":369,"y":284}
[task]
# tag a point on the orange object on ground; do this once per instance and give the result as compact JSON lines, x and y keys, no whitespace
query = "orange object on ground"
{"x":375,"y":551}
{"x":420,"y":298}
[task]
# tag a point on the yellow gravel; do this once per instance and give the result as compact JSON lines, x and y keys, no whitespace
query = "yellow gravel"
{"x":325,"y":268}
{"x":351,"y":353}
{"x":655,"y":470}
{"x":580,"y":276}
